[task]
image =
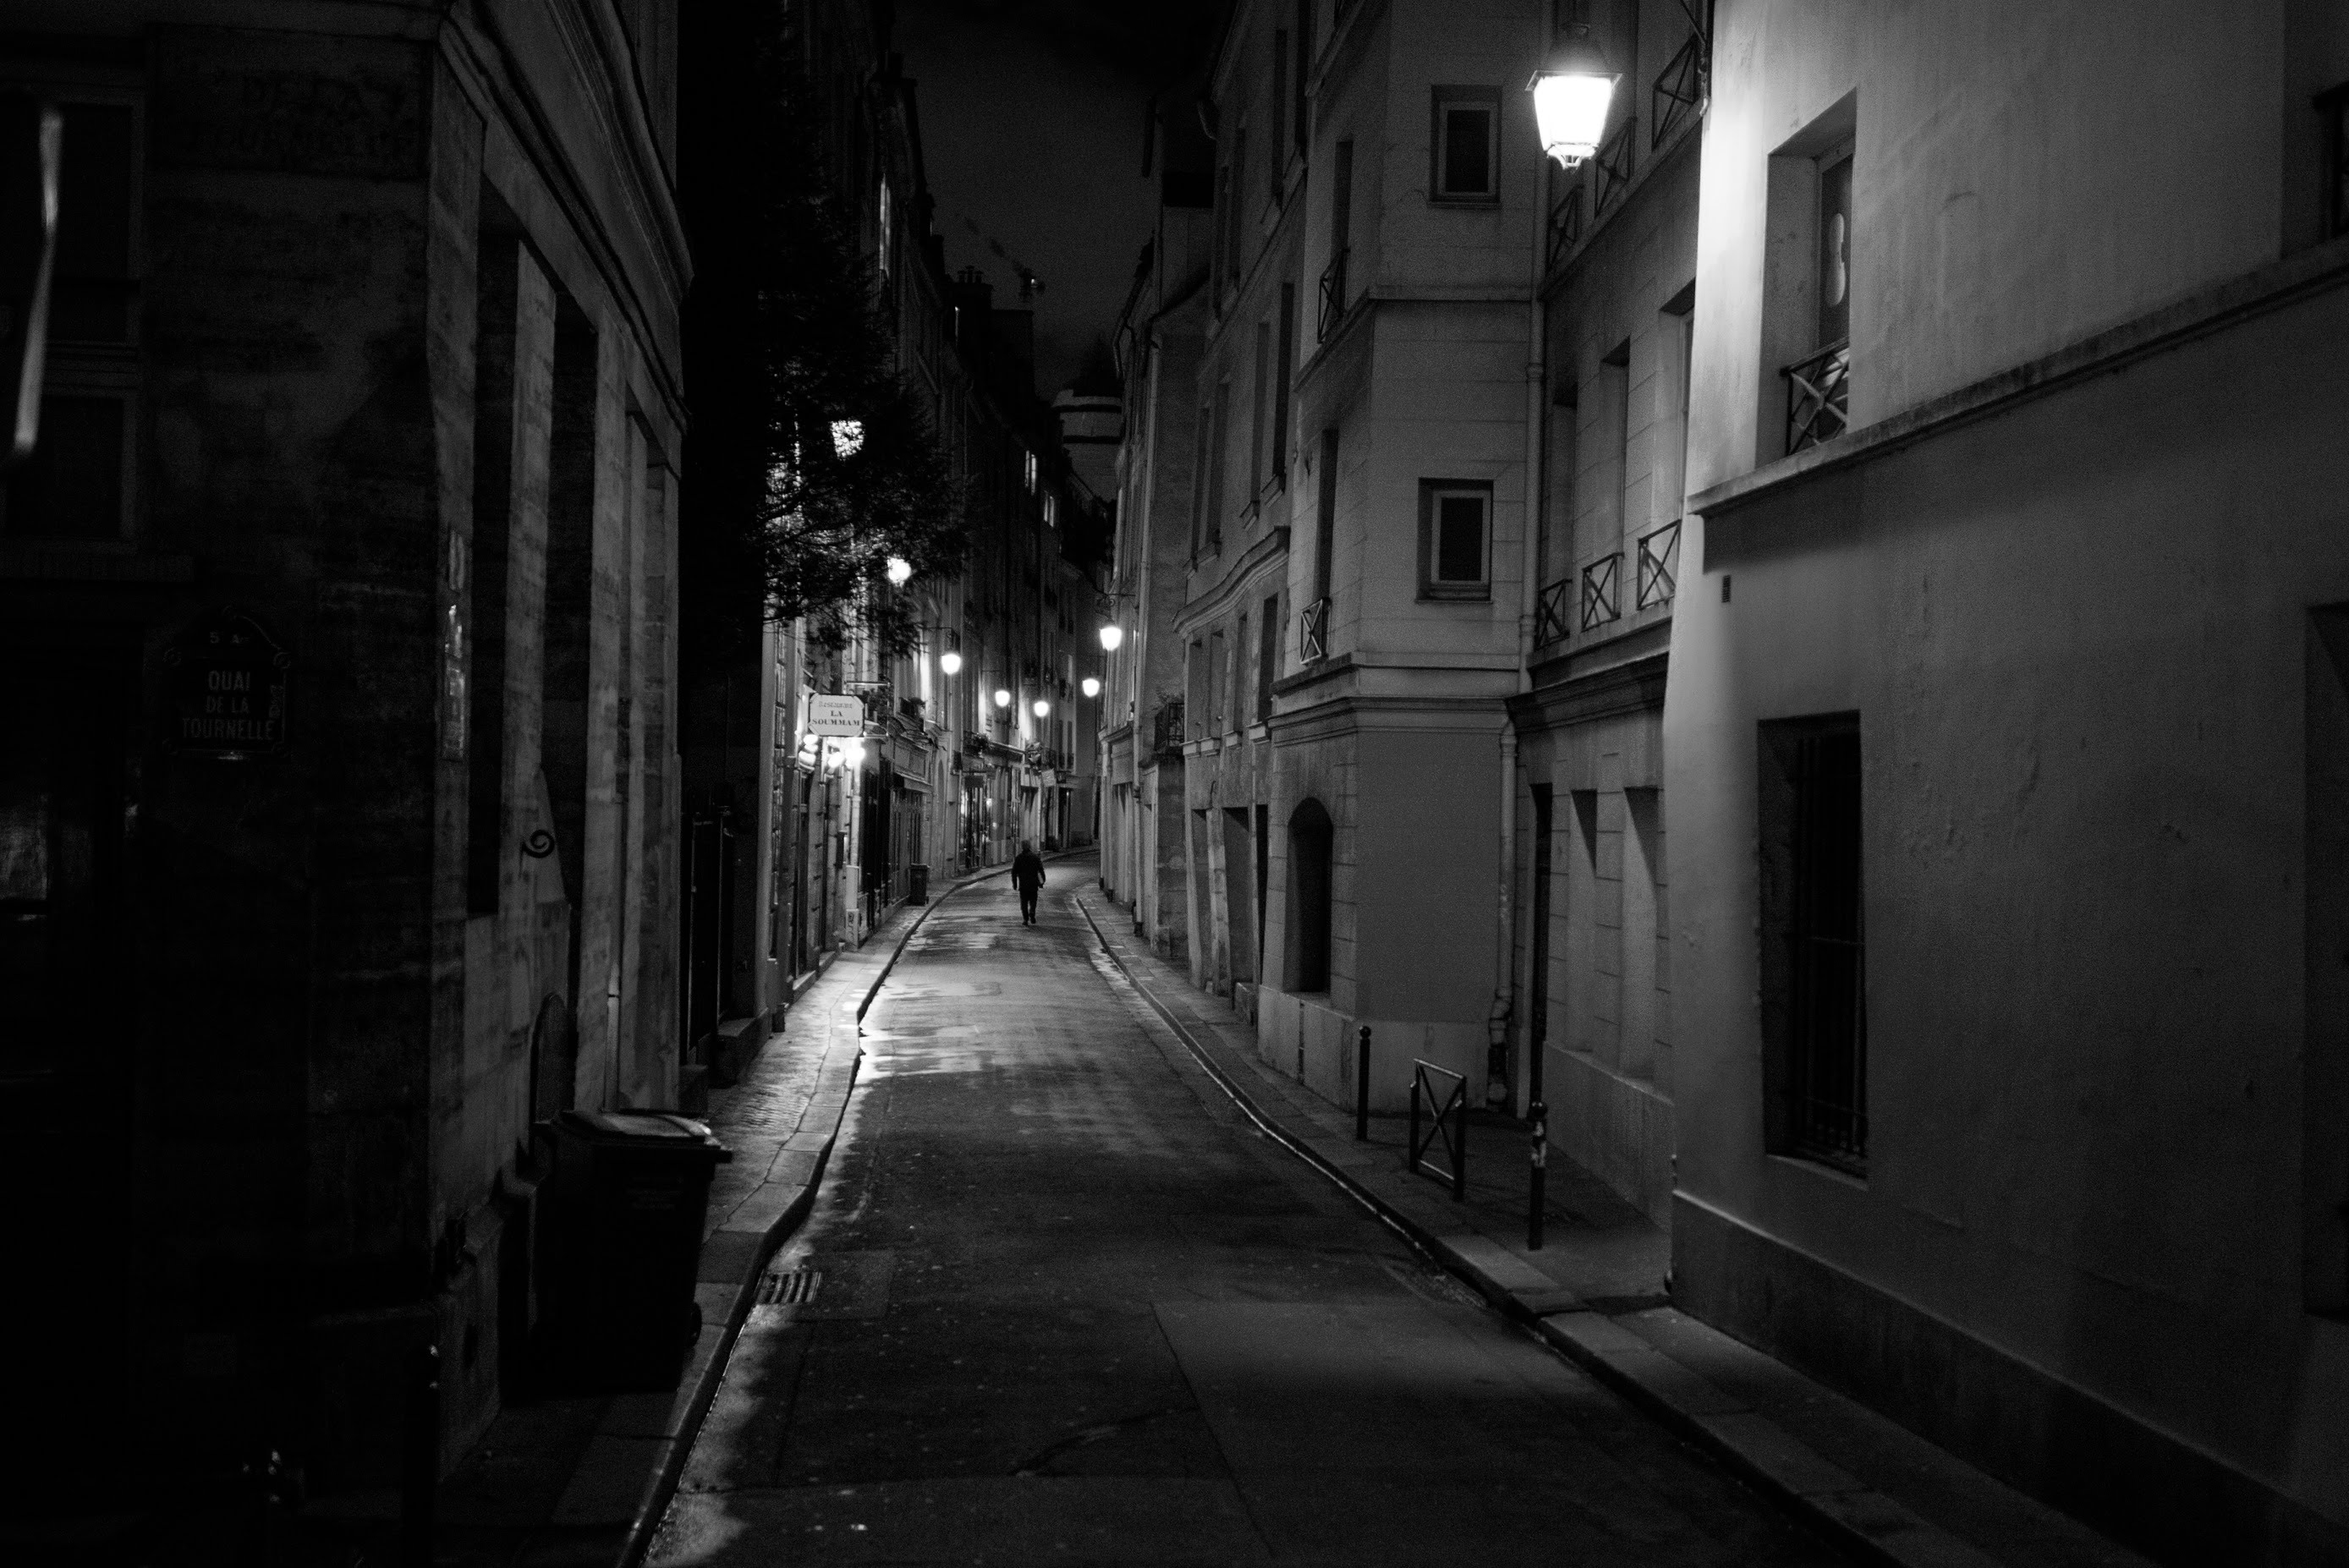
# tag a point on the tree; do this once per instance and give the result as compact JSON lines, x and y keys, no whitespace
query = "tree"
{"x":838,"y":468}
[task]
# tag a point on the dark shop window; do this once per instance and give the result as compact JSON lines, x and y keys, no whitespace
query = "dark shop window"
{"x":1467,"y":159}
{"x":1454,"y":525}
{"x":1813,"y":951}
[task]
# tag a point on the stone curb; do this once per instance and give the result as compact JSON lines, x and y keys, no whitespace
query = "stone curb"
{"x":1747,"y":1442}
{"x":775,"y":1211}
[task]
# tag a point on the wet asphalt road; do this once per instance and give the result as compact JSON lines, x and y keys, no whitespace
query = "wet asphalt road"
{"x":1063,"y":1304}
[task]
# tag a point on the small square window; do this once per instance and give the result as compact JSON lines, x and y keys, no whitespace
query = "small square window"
{"x":1467,"y":145}
{"x":1454,"y":538}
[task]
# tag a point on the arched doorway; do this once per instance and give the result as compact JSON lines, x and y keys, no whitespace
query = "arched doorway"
{"x":1312,"y":841}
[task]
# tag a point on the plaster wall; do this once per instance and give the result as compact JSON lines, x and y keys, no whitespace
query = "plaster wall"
{"x":1429,"y":249}
{"x":2076,"y":636}
{"x":2023,"y":176}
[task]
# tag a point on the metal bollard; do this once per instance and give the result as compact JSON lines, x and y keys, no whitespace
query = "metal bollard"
{"x":419,"y":1481}
{"x":1536,"y":1201}
{"x":1362,"y":1086}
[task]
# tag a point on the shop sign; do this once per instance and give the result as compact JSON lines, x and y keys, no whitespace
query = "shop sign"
{"x":835,"y":715}
{"x":226,"y":688}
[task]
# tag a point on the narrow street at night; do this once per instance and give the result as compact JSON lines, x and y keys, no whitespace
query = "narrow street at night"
{"x":1061,"y":1301}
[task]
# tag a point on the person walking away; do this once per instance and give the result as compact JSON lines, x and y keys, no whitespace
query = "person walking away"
{"x":1027,"y":876}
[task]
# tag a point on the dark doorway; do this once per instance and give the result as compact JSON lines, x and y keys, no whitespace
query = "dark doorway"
{"x":1312,"y":842}
{"x":62,"y":956}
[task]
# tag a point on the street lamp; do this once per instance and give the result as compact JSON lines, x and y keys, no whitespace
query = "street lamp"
{"x":1571,"y":92}
{"x":949,"y":661}
{"x":1002,"y":697}
{"x":1093,"y":685}
{"x":1042,"y":708}
{"x":898,"y":571}
{"x":1111,"y":635}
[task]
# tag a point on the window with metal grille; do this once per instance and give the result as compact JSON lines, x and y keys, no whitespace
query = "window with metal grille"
{"x":1814,"y":970}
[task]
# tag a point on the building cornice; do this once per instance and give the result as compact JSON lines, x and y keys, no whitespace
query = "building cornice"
{"x":2273,"y":287}
{"x":1196,"y":612}
{"x":1633,"y":686}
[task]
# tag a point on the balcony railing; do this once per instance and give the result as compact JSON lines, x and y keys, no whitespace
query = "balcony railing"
{"x":1549,"y":612}
{"x":1614,"y":165}
{"x":1333,"y":295}
{"x":1679,"y":91}
{"x":1313,"y":632}
{"x":1659,"y":566}
{"x":1566,"y":224}
{"x":1601,"y":592}
{"x":1818,"y":395}
{"x":1167,"y":731}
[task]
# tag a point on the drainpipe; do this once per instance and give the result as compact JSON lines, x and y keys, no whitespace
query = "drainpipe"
{"x":1496,"y":1061}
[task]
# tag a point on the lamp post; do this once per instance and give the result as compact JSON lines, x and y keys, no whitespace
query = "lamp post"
{"x":1571,"y":94}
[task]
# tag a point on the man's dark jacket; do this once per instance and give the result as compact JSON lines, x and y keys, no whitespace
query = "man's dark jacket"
{"x":1028,"y":872}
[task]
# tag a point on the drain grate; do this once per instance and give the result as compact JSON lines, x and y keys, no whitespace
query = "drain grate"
{"x":789,"y":1287}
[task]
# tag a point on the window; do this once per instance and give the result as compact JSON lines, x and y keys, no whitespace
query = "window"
{"x":1276,"y":153}
{"x":2332,"y":116}
{"x":1466,"y":163}
{"x":1268,"y":657}
{"x":77,"y":482}
{"x":2325,"y":1053}
{"x":1834,"y":247}
{"x":1219,"y":448}
{"x":1215,"y":683}
{"x":1325,"y":516}
{"x":881,"y":256}
{"x":1259,"y":426}
{"x":1454,"y":525}
{"x":1304,"y":62}
{"x":1284,"y":372}
{"x":1202,"y":464}
{"x":1813,"y":975}
{"x":1236,"y":234}
{"x":1807,"y":286}
{"x":1028,"y":470}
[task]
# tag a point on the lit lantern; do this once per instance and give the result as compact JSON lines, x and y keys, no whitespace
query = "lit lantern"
{"x":949,"y":661}
{"x":1002,"y":697}
{"x":1571,"y":92}
{"x":898,"y":571}
{"x":1093,"y":685}
{"x":1111,"y":635}
{"x":1042,"y":708}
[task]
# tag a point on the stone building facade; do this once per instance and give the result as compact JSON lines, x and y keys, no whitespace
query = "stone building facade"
{"x":2004,"y":745}
{"x":800,"y":844}
{"x":341,"y":838}
{"x":1593,"y":1023}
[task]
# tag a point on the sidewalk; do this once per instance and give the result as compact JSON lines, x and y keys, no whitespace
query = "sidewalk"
{"x":585,"y":1481}
{"x":1596,"y":1293}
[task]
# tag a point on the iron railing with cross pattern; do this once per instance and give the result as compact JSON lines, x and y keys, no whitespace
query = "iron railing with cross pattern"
{"x":1602,"y":598}
{"x":1333,"y":297}
{"x":1566,"y":224}
{"x":1613,"y":165}
{"x":1679,"y":91}
{"x":1659,"y":566}
{"x":1313,"y":632}
{"x":1818,"y":395}
{"x":1549,"y":612}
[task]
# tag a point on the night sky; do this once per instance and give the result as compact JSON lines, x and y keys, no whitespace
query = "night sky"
{"x":1032,"y":115}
